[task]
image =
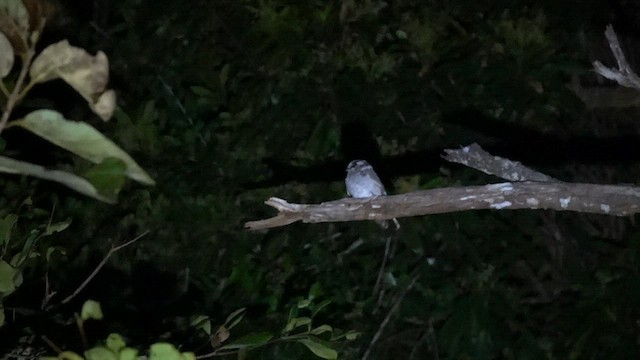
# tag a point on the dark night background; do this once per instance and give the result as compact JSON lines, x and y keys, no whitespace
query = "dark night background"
{"x":227,"y":103}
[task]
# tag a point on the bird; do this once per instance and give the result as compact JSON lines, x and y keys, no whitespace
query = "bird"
{"x":363,"y":182}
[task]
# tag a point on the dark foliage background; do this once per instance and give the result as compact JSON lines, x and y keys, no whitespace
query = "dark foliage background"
{"x":229,"y":102}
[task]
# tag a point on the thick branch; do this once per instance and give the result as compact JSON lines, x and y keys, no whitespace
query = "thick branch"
{"x":587,"y":198}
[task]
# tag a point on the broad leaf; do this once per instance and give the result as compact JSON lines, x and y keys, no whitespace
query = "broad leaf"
{"x":100,"y":353}
{"x":87,"y":74}
{"x":91,"y":309}
{"x":72,"y":181}
{"x":234,"y":318}
{"x":6,"y":225}
{"x":57,"y":227}
{"x":319,"y":349}
{"x":115,"y":342}
{"x":14,"y":23}
{"x":164,"y":351}
{"x":81,"y":139}
{"x":7,"y":276}
{"x":250,"y":340}
{"x":6,"y":56}
{"x":128,"y":354}
{"x":108,"y":176}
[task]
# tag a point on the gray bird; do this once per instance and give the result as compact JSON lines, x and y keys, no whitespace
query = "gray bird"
{"x":363,"y":182}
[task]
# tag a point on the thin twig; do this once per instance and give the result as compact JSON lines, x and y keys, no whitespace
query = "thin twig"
{"x":15,"y":94}
{"x":434,"y":341}
{"x":102,"y":263}
{"x":48,"y":294}
{"x":4,"y":89}
{"x":169,"y":90}
{"x":51,"y":344}
{"x":416,"y":346}
{"x":392,"y":311}
{"x":387,"y":246}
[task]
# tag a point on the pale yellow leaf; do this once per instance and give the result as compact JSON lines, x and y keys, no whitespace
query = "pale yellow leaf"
{"x":87,"y":74}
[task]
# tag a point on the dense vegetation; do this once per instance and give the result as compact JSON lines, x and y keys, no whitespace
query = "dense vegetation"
{"x":226,"y":103}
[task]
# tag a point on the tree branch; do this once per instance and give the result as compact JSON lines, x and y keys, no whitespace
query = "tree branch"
{"x":530,"y":189}
{"x":475,"y":157}
{"x":623,"y":75}
{"x":618,"y":200}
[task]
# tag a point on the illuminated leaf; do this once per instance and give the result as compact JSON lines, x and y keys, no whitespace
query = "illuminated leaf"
{"x":128,"y":354}
{"x":87,"y":74}
{"x":115,"y":342}
{"x":81,"y":139}
{"x":202,"y":322}
{"x":188,"y":356}
{"x":91,"y":310}
{"x":70,"y":180}
{"x":69,"y":355}
{"x":6,"y":56}
{"x":164,"y":351}
{"x":14,"y":23}
{"x":105,"y":105}
{"x":100,"y":353}
{"x":108,"y":177}
{"x":321,"y":329}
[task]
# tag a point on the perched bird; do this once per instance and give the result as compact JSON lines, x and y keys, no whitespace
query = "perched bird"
{"x":363,"y":182}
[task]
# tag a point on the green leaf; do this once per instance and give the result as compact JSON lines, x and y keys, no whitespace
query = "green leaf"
{"x":108,"y":177}
{"x":6,"y":56}
{"x":27,"y":248}
{"x":352,"y":335}
{"x":164,"y":351}
{"x":91,"y":310}
{"x":319,"y":349}
{"x":69,"y":355}
{"x":188,"y":356}
{"x":128,"y":354}
{"x":6,"y":225}
{"x":202,"y":322}
{"x":53,"y":249}
{"x":81,"y":139}
{"x":234,"y":318}
{"x":100,"y":353}
{"x":321,"y":329}
{"x":7,"y":276}
{"x":72,"y":181}
{"x":57,"y":227}
{"x":302,"y":321}
{"x":1,"y":316}
{"x":319,"y":307}
{"x":250,"y":340}
{"x":115,"y":342}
